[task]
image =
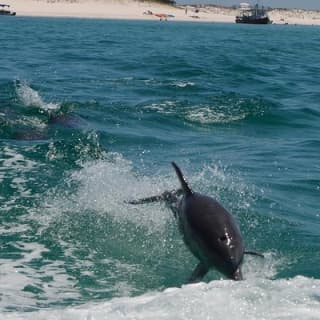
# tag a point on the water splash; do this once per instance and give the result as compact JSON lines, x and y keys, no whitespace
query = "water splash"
{"x":104,"y":186}
{"x":31,"y":98}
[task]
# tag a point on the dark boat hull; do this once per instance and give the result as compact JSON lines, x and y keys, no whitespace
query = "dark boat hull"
{"x":253,"y":20}
{"x":7,"y":13}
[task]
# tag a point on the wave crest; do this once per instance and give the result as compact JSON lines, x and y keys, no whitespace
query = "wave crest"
{"x":31,"y":98}
{"x":296,"y":298}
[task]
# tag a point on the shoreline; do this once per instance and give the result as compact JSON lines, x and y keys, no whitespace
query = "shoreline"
{"x":144,"y":10}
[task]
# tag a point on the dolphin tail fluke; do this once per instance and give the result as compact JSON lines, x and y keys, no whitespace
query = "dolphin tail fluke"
{"x":187,"y":190}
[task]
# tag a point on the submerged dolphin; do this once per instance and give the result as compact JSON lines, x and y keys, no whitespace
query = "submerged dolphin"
{"x":208,"y":229}
{"x":64,"y":121}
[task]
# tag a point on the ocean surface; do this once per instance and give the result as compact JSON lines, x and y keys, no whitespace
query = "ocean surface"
{"x":92,"y":112}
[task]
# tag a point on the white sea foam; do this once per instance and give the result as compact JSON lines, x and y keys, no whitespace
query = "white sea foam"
{"x":13,"y":160}
{"x":202,"y":114}
{"x":31,"y":98}
{"x":183,"y":84}
{"x":14,"y":167}
{"x":20,"y":282}
{"x":208,"y":115}
{"x":296,"y":298}
{"x":31,"y":122}
{"x":21,"y":278}
{"x":166,"y":107}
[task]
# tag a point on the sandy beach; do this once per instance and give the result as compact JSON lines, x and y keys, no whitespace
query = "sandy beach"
{"x":145,"y":10}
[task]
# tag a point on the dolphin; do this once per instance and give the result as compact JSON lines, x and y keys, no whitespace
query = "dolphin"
{"x":64,"y":121}
{"x":208,"y":230}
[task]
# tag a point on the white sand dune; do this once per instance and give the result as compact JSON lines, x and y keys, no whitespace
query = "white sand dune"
{"x":141,"y":10}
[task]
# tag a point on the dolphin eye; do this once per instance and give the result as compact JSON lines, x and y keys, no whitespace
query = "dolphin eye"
{"x":223,"y":238}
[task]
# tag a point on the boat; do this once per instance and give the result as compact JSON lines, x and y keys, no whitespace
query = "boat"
{"x":5,"y":10}
{"x":252,"y":15}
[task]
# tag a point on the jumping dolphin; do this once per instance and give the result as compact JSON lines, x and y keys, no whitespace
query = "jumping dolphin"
{"x":208,"y":229}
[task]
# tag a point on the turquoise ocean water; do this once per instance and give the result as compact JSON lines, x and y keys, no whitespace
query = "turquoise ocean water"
{"x":92,"y":112}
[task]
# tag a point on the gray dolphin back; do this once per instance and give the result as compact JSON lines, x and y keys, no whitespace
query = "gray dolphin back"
{"x":184,"y":184}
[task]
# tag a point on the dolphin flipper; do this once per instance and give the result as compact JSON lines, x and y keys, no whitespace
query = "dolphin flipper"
{"x":198,"y":273}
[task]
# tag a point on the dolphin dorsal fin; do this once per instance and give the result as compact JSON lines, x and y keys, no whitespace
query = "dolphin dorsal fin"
{"x":187,"y":190}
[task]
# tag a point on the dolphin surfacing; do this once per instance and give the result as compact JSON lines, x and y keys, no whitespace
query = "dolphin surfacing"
{"x":208,"y":230}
